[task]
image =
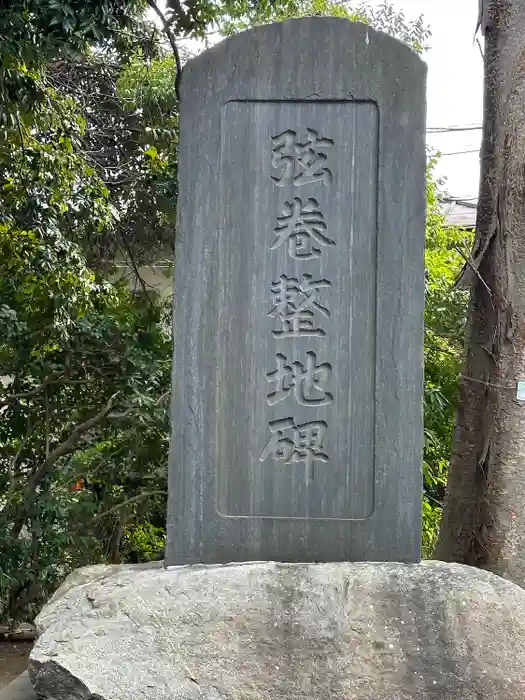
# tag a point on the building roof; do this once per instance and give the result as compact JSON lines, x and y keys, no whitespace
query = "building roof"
{"x":459,"y":212}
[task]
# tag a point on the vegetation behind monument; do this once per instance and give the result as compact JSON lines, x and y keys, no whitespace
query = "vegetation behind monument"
{"x":88,"y":161}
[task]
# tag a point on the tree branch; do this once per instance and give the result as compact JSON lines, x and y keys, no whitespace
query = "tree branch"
{"x":118,"y":183}
{"x":51,"y":379}
{"x":163,"y":397}
{"x":167,"y":30}
{"x":471,"y":264}
{"x":65,"y":448}
{"x":113,"y":550}
{"x":134,"y":266}
{"x":12,"y":466}
{"x":122,"y":415}
{"x":46,"y":426}
{"x":69,"y":444}
{"x":134,"y":499}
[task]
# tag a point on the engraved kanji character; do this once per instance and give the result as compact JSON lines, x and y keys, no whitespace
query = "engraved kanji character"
{"x":278,"y":446}
{"x":308,"y":442}
{"x":300,"y":163}
{"x":308,"y":381}
{"x":301,"y":226}
{"x":303,"y":444}
{"x":283,"y":381}
{"x":295,"y":303}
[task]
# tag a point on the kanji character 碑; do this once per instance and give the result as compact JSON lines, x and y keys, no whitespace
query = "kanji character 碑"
{"x":290,"y":442}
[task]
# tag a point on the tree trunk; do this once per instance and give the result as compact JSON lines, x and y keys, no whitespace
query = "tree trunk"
{"x":484,"y":515}
{"x":113,"y":555}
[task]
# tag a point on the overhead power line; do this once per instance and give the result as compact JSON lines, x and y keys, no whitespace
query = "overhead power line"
{"x":460,"y":153}
{"x":453,"y":153}
{"x":448,"y":129}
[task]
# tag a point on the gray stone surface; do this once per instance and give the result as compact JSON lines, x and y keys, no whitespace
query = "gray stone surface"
{"x":19,"y":689}
{"x":267,"y":631}
{"x":299,"y":290}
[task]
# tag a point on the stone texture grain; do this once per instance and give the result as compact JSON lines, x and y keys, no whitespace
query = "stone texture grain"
{"x":270,"y":631}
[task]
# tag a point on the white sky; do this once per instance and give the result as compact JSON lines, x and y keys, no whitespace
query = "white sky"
{"x":454,"y":87}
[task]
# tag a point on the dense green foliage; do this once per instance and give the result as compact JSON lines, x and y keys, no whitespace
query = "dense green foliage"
{"x":88,"y":375}
{"x":88,"y":176}
{"x":445,"y":316}
{"x":84,"y":363}
{"x":35,"y":32}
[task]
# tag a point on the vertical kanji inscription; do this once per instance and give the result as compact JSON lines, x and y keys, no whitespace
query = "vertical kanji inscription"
{"x":303,"y":233}
{"x":300,"y":347}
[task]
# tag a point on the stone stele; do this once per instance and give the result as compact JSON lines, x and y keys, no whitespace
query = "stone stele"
{"x":271,"y":631}
{"x":299,"y":290}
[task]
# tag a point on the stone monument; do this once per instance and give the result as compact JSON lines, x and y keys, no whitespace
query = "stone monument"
{"x":299,"y":292}
{"x":296,"y":411}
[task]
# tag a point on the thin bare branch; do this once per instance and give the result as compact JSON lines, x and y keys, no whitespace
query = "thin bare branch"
{"x":135,"y":267}
{"x":22,"y":144}
{"x":122,"y":415}
{"x":134,"y":499}
{"x":468,"y":260}
{"x":31,"y":427}
{"x":69,"y":444}
{"x":163,"y":397}
{"x":51,"y":379}
{"x":46,"y":426}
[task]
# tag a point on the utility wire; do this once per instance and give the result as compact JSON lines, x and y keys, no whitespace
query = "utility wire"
{"x":448,"y":129}
{"x":460,"y":153}
{"x":453,"y":153}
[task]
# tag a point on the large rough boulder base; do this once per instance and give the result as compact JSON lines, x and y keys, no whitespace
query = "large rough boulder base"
{"x":267,"y":631}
